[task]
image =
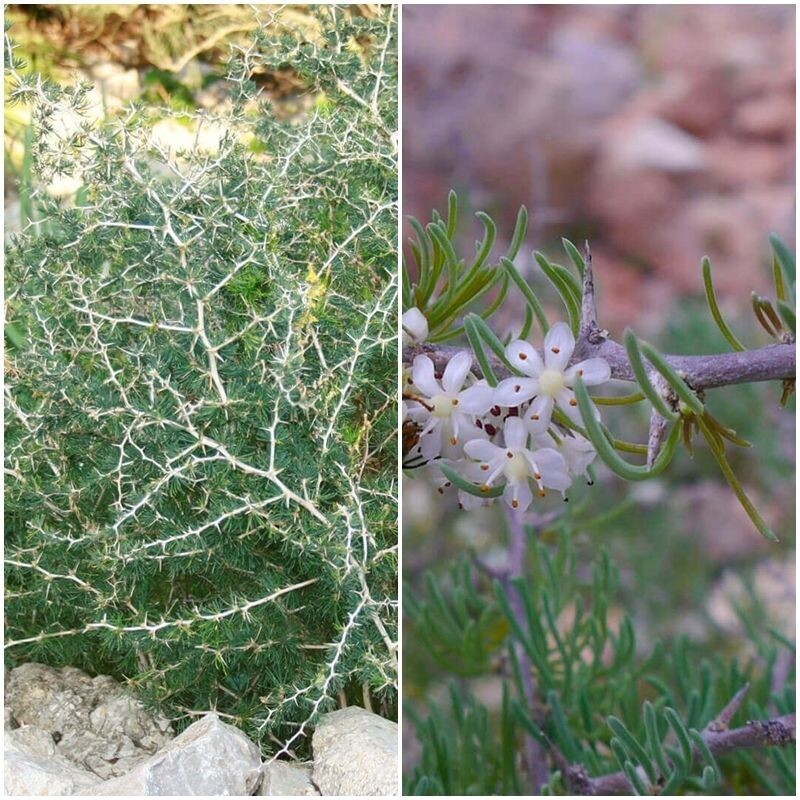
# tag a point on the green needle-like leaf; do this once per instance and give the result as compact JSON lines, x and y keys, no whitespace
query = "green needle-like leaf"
{"x":785,"y":259}
{"x":560,"y":279}
{"x":643,"y":379}
{"x":713,"y":305}
{"x":606,"y":451}
{"x":787,"y":315}
{"x":719,"y":454}
{"x":632,"y":746}
{"x":528,"y":294}
{"x":520,"y":229}
{"x":574,"y":256}
{"x":488,"y":337}
{"x":477,"y":348}
{"x":452,"y":214}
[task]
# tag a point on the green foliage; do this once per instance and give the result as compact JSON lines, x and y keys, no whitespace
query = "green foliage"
{"x":200,"y":442}
{"x":606,"y":701}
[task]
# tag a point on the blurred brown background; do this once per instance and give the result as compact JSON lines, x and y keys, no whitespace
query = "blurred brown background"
{"x":661,"y":133}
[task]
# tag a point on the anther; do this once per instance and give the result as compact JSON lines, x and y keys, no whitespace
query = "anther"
{"x":523,"y":356}
{"x":455,"y":401}
{"x":484,"y":467}
{"x":573,"y":402}
{"x":514,"y":503}
{"x":453,"y":440}
{"x":509,"y":454}
{"x":556,"y":349}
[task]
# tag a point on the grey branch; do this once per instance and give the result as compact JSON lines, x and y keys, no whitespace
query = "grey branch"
{"x":773,"y":362}
{"x":770,"y":363}
{"x":777,"y":732}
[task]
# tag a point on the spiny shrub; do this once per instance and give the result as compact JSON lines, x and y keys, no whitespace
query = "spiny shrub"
{"x":201,"y":415}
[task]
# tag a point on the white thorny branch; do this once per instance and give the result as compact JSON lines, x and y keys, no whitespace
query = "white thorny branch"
{"x":190,"y":324}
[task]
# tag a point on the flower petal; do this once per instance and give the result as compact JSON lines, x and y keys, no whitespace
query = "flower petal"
{"x":456,"y":371}
{"x":593,"y":371}
{"x":569,"y":405}
{"x":524,"y":357}
{"x":515,"y":434}
{"x":539,"y":412}
{"x":513,"y":391}
{"x":558,"y":346}
{"x":518,"y":494}
{"x":424,"y":378}
{"x":478,"y":399}
{"x":483,"y":450}
{"x":430,"y":443}
{"x":578,"y":452}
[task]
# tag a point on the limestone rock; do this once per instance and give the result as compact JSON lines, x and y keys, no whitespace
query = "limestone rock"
{"x":355,"y":753}
{"x":285,"y":779}
{"x":32,"y":766}
{"x":93,"y":722}
{"x":208,"y":758}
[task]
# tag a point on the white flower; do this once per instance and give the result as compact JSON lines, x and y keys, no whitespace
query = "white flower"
{"x":550,"y":382}
{"x":415,"y":327}
{"x":470,"y":470}
{"x":445,"y":410}
{"x":518,"y":465}
{"x":578,"y":451}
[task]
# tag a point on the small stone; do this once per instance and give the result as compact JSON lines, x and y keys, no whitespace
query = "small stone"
{"x":652,"y":143}
{"x":355,"y":753}
{"x":208,"y":758}
{"x":95,"y":723}
{"x":32,"y":767}
{"x":282,"y":778}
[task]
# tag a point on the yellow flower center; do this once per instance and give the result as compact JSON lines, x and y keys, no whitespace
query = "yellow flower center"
{"x":551,"y":382}
{"x":442,"y":406}
{"x":516,"y":468}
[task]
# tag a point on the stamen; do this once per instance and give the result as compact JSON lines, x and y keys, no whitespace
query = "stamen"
{"x":453,"y":441}
{"x":484,"y":467}
{"x":455,"y":401}
{"x":573,"y":402}
{"x":580,"y":372}
{"x":534,"y":416}
{"x":484,"y":488}
{"x":523,"y":356}
{"x":509,"y":454}
{"x":542,"y":493}
{"x":517,"y":388}
{"x":556,"y":349}
{"x":537,"y":476}
{"x":514,"y":503}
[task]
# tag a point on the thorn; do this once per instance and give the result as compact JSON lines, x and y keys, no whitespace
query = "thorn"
{"x":722,"y":720}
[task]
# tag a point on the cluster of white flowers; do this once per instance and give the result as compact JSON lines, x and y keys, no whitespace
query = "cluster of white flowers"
{"x":502,"y":435}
